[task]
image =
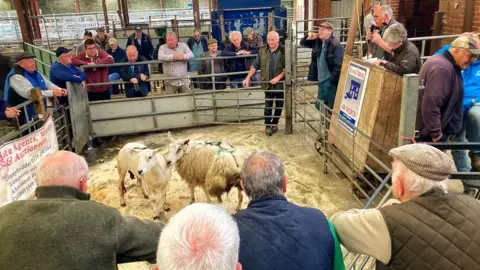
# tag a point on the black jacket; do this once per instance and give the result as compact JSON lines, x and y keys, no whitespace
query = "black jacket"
{"x":334,"y":57}
{"x":405,"y":59}
{"x":145,"y":49}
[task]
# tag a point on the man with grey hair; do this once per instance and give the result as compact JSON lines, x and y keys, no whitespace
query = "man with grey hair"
{"x":383,"y":20}
{"x":277,"y":234}
{"x":405,"y":57}
{"x":175,"y":55}
{"x":426,"y":228}
{"x":238,"y":47}
{"x":271,"y":63}
{"x":200,"y":236}
{"x":63,"y":229}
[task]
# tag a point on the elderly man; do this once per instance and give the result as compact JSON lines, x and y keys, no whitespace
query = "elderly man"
{"x":118,"y":55}
{"x":277,"y":234}
{"x":253,"y":39}
{"x":62,"y":71}
{"x":142,"y":41}
{"x":383,"y":19}
{"x":271,"y":63}
{"x":237,"y":47}
{"x":92,"y":56}
{"x":174,"y":55}
{"x":440,"y":103}
{"x":327,"y":58}
{"x":7,"y":112}
{"x":22,"y":78}
{"x":136,"y":75}
{"x":471,"y":112}
{"x":207,"y":68}
{"x":86,"y":36}
{"x":200,"y":236}
{"x":197,"y":45}
{"x":405,"y":57}
{"x":75,"y":232}
{"x":425,"y":228}
{"x":102,"y":39}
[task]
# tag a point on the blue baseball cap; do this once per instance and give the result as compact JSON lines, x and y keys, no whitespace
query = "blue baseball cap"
{"x":61,"y":50}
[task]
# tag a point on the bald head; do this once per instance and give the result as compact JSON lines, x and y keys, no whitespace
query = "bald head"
{"x":132,"y":53}
{"x":63,"y":168}
{"x":263,"y":175}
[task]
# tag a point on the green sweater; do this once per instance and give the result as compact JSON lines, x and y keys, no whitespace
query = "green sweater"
{"x":62,"y":229}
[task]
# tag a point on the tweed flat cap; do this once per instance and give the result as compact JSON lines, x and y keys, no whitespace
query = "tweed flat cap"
{"x":425,"y":160}
{"x":212,"y":41}
{"x":23,"y":55}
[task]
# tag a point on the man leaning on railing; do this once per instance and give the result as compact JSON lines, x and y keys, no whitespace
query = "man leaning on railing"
{"x":206,"y":67}
{"x":136,"y":75}
{"x":426,"y":228}
{"x":7,"y":112}
{"x":22,"y":78}
{"x":175,"y":55}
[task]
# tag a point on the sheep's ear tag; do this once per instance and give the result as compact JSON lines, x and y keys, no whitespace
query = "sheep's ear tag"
{"x":186,"y":142}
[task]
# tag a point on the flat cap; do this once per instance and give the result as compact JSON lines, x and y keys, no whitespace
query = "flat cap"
{"x":247,"y":31}
{"x":328,"y":25}
{"x":470,"y":43}
{"x":100,"y":30}
{"x":212,"y":41}
{"x":24,"y":55}
{"x":425,"y":160}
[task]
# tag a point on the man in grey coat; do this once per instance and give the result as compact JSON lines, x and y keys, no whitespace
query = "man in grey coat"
{"x":205,"y":68}
{"x":63,"y":229}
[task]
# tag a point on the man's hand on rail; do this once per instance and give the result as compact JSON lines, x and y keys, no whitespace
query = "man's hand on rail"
{"x":376,"y":38}
{"x":134,"y":80}
{"x":274,"y":81}
{"x":178,"y":57}
{"x":143,"y":77}
{"x":12,"y":112}
{"x":369,"y":35}
{"x":246,"y":82}
{"x":59,"y":92}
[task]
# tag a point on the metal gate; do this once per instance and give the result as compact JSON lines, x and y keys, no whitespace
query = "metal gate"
{"x":78,"y":113}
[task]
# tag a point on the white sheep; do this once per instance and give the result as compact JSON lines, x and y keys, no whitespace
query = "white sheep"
{"x":214,"y":166}
{"x":150,"y":169}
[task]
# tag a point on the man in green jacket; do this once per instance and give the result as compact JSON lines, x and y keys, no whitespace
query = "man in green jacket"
{"x":271,"y":62}
{"x":63,"y":229}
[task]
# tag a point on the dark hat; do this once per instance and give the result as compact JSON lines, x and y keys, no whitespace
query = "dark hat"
{"x":24,"y":55}
{"x":61,"y":50}
{"x":88,"y":33}
{"x":425,"y":160}
{"x":100,"y":30}
{"x":138,"y":28}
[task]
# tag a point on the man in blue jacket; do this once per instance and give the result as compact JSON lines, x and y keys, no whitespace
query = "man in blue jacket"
{"x":62,"y":71}
{"x":277,"y":234}
{"x":143,"y":42}
{"x":136,"y":75}
{"x":471,"y":110}
{"x":118,"y":55}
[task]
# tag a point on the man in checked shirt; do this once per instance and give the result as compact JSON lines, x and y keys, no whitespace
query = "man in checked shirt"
{"x":175,"y":55}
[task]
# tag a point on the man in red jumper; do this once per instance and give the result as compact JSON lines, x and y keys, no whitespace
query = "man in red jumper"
{"x":93,"y":56}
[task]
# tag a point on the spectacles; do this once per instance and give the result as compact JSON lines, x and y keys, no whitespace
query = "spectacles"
{"x":472,"y":57}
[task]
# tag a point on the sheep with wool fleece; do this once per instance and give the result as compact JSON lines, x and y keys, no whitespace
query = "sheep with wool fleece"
{"x":150,"y":169}
{"x":214,"y":166}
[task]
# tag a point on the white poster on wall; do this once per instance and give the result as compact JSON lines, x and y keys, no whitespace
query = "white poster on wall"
{"x":19,"y":159}
{"x":353,"y":95}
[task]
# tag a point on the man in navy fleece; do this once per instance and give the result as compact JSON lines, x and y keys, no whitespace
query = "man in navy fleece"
{"x":62,"y":71}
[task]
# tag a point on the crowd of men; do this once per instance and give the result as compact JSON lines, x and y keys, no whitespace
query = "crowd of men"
{"x":424,"y":227}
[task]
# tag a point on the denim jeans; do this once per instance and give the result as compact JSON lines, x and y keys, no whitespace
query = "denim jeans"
{"x":114,"y":89}
{"x":326,"y":94}
{"x":470,"y":133}
{"x":278,"y":98}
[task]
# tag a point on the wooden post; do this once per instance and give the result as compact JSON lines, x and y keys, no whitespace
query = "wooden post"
{"x":105,"y":16}
{"x":196,"y":15}
{"x":126,"y":18}
{"x":27,"y":34}
{"x":352,"y":30}
{"x":468,"y":18}
{"x":222,"y":27}
{"x":77,"y":6}
{"x":175,"y":26}
{"x":270,"y":22}
{"x":161,"y":4}
{"x":37,"y":100}
{"x":436,"y":31}
{"x":305,"y":12}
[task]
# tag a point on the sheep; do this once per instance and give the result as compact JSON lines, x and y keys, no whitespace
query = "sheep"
{"x":214,"y":166}
{"x":150,"y":169}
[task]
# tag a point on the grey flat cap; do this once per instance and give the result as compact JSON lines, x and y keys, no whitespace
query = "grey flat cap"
{"x":425,"y":160}
{"x":23,"y":55}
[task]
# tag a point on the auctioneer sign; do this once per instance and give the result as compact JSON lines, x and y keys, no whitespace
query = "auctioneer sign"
{"x":19,"y":159}
{"x":353,"y":95}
